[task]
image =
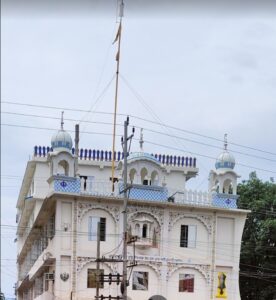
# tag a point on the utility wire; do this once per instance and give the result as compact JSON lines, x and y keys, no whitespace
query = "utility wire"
{"x":145,"y":128}
{"x":206,"y":156}
{"x":142,"y":119}
{"x":58,"y":118}
{"x":149,"y":142}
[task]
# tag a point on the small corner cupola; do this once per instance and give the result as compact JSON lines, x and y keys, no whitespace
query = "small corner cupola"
{"x":225,"y":160}
{"x":141,"y":155}
{"x":224,"y":179}
{"x":143,"y":168}
{"x":61,"y":158}
{"x":61,"y":140}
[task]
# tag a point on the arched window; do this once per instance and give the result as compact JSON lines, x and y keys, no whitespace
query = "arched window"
{"x":228,"y":186}
{"x":154,"y":178}
{"x":217,"y":186}
{"x":144,"y":177}
{"x":63,"y":168}
{"x":145,"y":231}
{"x":132,"y":175}
{"x":137,"y":229}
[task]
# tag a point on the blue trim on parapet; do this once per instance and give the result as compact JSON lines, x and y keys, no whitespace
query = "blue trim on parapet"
{"x":225,"y":200}
{"x":147,"y":192}
{"x":100,"y":155}
{"x":67,"y":184}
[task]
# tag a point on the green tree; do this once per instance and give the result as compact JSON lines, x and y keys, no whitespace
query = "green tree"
{"x":258,"y":250}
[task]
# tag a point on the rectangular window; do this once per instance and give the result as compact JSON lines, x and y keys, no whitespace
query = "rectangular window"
{"x":140,"y":281}
{"x":186,"y":283}
{"x":188,"y":236}
{"x":93,"y":227}
{"x":184,"y":236}
{"x":92,"y":278}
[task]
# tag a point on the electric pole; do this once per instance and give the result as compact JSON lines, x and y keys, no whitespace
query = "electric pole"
{"x":117,"y":278}
{"x":125,"y":140}
{"x":125,"y":283}
{"x":98,"y":262}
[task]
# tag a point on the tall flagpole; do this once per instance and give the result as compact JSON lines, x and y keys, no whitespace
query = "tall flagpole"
{"x":118,"y":38}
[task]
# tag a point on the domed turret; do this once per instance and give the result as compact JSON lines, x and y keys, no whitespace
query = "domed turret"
{"x":225,"y":160}
{"x":61,"y":140}
{"x":224,"y":179}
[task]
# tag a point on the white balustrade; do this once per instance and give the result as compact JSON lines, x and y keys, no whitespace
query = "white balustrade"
{"x":104,"y":188}
{"x":98,"y":188}
{"x":190,"y":197}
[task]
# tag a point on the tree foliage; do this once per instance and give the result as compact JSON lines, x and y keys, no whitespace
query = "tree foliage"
{"x":258,"y":250}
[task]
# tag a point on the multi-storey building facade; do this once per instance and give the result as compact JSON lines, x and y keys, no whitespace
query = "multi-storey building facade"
{"x":188,"y":242}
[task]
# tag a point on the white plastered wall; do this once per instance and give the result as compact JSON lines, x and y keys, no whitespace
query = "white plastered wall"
{"x":41,"y":186}
{"x":86,"y":247}
{"x":202,"y":251}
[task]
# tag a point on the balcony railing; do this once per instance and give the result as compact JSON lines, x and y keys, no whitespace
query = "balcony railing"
{"x":189,"y":197}
{"x":88,"y":186}
{"x":38,"y":245}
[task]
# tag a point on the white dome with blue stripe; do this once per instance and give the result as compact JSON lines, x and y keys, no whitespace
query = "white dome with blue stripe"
{"x":62,"y":139}
{"x":225,"y":161}
{"x":142,"y":156}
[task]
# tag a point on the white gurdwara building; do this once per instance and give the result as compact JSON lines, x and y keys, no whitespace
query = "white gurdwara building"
{"x":188,"y":244}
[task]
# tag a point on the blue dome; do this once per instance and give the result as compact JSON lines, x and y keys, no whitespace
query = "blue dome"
{"x":225,"y":161}
{"x":61,"y":141}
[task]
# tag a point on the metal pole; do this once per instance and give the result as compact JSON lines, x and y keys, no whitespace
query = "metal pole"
{"x":115,"y":105}
{"x":98,"y":263}
{"x":77,"y":139}
{"x":125,"y":214}
{"x":213,"y":263}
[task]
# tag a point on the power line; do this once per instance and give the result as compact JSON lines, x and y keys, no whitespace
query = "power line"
{"x":58,"y":118}
{"x":141,"y":100}
{"x":53,"y":129}
{"x":206,"y":156}
{"x":142,"y":119}
{"x":147,"y":129}
{"x":61,"y":232}
{"x":149,"y":142}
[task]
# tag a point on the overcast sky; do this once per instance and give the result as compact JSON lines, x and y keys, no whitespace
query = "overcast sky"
{"x":204,"y":69}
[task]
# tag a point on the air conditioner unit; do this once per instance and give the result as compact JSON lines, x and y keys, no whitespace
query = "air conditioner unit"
{"x":49,"y":276}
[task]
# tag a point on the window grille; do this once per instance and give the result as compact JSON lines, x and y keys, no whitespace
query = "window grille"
{"x":92,"y":278}
{"x":184,"y":236}
{"x":140,"y":281}
{"x":186,"y":283}
{"x":145,"y":231}
{"x":38,"y":287}
{"x":93,"y":227}
{"x":188,"y":236}
{"x":51,"y":227}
